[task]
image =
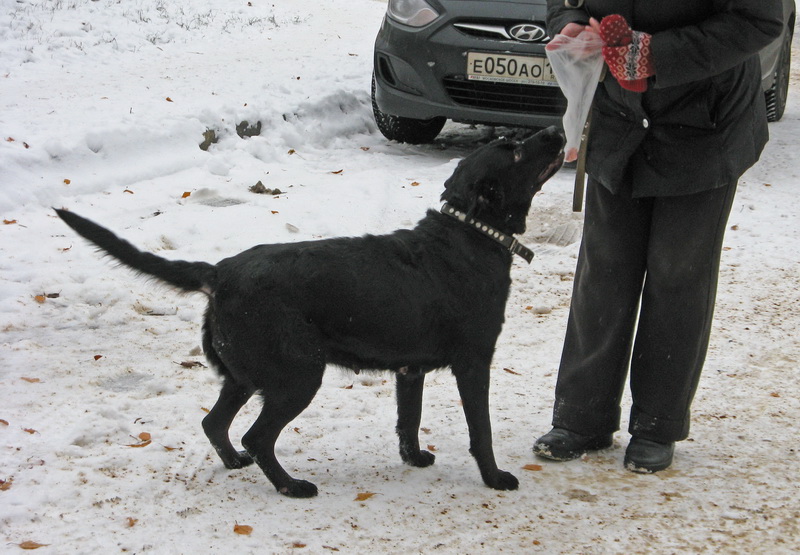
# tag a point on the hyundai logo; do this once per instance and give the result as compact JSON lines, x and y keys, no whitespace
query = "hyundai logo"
{"x":528,"y":32}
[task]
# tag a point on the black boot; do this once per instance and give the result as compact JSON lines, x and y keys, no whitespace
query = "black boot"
{"x":562,"y":445}
{"x":645,"y":456}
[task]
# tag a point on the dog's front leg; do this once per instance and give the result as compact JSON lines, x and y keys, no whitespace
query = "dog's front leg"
{"x":473,"y":386}
{"x":409,"y":412}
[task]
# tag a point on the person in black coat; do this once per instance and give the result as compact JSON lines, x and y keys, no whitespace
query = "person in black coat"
{"x":663,"y":167}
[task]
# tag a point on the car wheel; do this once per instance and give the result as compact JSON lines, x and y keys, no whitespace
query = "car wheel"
{"x":406,"y":130}
{"x":777,"y":94}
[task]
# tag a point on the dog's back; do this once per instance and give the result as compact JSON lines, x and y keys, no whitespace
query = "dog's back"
{"x":413,"y":297}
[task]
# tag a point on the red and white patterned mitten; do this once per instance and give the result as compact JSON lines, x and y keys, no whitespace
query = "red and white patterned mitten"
{"x":627,"y":53}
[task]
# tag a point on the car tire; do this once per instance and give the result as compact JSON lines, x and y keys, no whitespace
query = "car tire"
{"x":777,"y":94}
{"x":406,"y":130}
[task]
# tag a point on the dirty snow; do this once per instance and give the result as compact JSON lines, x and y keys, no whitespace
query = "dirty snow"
{"x":104,"y":104}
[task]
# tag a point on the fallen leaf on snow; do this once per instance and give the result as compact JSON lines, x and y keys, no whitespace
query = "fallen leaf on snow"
{"x":187,"y":194}
{"x":39,"y":298}
{"x":510,"y":371}
{"x":29,"y":430}
{"x":131,"y":522}
{"x":337,"y":172}
{"x":191,"y":364}
{"x":533,"y":467}
{"x":98,"y":357}
{"x":9,"y":222}
{"x":5,"y":485}
{"x":243,"y":529}
{"x":364,"y":496}
{"x":32,"y":545}
{"x":31,"y":380}
{"x":144,"y":436}
{"x":3,"y":422}
{"x":67,"y":181}
{"x":142,"y":444}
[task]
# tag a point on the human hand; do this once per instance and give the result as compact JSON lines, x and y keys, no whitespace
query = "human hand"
{"x":575,"y":31}
{"x":627,"y":53}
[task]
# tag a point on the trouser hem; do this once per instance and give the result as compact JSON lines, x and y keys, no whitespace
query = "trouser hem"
{"x":586,"y":420}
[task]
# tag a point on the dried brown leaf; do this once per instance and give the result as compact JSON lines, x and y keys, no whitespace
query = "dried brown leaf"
{"x":5,"y":485}
{"x":532,"y":467}
{"x":9,"y":222}
{"x":364,"y":496}
{"x":31,"y":380}
{"x":142,"y":444}
{"x":243,"y":529}
{"x":32,"y":545}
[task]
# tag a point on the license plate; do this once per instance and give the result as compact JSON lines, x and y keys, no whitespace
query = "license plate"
{"x":509,"y":68}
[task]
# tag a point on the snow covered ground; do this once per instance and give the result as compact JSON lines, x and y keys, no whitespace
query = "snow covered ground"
{"x":102,"y":107}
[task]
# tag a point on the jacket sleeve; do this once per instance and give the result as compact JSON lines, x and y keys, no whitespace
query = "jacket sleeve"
{"x":559,"y":15}
{"x":737,"y":30}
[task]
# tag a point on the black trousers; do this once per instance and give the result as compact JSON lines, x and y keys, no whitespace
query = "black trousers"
{"x":643,"y":298}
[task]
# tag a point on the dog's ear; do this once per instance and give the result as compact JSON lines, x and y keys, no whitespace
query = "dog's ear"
{"x":473,"y":194}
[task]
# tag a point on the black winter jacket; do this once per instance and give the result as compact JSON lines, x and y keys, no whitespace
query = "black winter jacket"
{"x":702,"y":121}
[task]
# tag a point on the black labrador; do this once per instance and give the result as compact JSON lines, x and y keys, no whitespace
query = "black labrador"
{"x":411,"y":301}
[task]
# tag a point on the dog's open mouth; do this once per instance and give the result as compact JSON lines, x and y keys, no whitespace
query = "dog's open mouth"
{"x":552,"y":168}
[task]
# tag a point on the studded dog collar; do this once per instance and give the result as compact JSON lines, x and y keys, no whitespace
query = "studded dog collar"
{"x":507,"y":241}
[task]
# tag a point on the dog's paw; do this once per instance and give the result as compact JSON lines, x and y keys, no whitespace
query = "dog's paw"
{"x":503,"y":481}
{"x":298,"y":488}
{"x":241,"y":460}
{"x":418,"y":458}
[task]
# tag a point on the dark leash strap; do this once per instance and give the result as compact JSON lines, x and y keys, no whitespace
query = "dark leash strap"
{"x":508,"y":241}
{"x":580,"y":168}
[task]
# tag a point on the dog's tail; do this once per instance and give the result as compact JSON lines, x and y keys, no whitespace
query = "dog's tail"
{"x":188,"y":276}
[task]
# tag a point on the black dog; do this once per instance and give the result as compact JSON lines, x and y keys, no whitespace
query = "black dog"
{"x":410,"y":302}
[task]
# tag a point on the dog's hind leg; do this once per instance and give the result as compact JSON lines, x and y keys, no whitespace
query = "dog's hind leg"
{"x":218,"y":421}
{"x":284,"y":399}
{"x":409,"y":412}
{"x":473,"y":385}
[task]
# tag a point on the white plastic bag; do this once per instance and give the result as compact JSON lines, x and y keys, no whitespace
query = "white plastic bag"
{"x":577,"y":63}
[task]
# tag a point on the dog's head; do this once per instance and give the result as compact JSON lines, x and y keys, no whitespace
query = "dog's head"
{"x":496,"y":183}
